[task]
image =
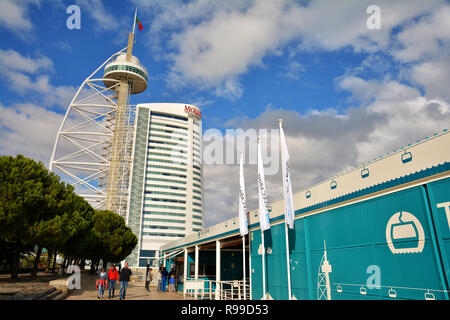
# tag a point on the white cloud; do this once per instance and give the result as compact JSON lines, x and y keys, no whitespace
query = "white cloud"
{"x":292,"y":70}
{"x":212,"y":43}
{"x":434,"y":76}
{"x":425,"y":45}
{"x":28,"y":129}
{"x":14,"y":15}
{"x":426,"y":38}
{"x":104,"y":19}
{"x":41,"y":89}
{"x":324,"y":143}
{"x":20,"y":71}
{"x":12,"y":60}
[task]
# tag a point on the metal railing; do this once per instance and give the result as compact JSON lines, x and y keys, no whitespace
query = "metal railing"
{"x":233,"y":290}
{"x":216,"y":290}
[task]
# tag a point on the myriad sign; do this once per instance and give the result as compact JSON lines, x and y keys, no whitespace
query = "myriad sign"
{"x":193,"y":111}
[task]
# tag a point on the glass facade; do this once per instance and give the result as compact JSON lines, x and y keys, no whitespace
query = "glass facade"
{"x":167,"y":180}
{"x":127,"y":68}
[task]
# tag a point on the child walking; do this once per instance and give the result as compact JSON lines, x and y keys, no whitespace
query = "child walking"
{"x":172,"y":283}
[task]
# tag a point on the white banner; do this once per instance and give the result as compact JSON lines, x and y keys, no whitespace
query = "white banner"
{"x":264,"y":219}
{"x":287,"y":187}
{"x":243,"y":224}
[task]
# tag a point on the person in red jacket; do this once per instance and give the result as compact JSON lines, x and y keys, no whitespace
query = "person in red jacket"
{"x":113,"y":276}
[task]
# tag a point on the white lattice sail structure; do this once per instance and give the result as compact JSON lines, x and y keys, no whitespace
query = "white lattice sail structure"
{"x":94,"y":145}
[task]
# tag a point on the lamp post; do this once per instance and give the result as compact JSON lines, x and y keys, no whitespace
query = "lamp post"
{"x":147,"y":284}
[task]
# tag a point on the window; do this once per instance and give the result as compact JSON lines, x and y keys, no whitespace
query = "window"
{"x":160,"y":213}
{"x":164,"y":167}
{"x":127,"y":68}
{"x":165,"y":180}
{"x":165,"y":194}
{"x":163,"y":220}
{"x":167,"y":174}
{"x":164,"y":228}
{"x":165,"y":161}
{"x":169,"y":126}
{"x":164,"y":187}
{"x":166,"y":200}
{"x":143,"y":262}
{"x":204,"y":269}
{"x":165,"y":155}
{"x":147,"y":253}
{"x":158,"y":234}
{"x":166,"y":137}
{"x":170,"y":116}
{"x":166,"y":130}
{"x":163,"y":207}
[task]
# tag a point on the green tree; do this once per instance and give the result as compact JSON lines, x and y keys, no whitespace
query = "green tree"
{"x":27,"y":196}
{"x":37,"y":209}
{"x":115,"y":240}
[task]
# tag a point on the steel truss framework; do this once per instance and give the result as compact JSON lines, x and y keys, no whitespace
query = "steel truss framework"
{"x":82,"y":150}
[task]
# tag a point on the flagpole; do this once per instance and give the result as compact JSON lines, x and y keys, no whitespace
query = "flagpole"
{"x":243,"y":249}
{"x":280,"y":122}
{"x":243,"y":256}
{"x":263,"y":256}
{"x":134,"y":22}
{"x":243,"y":220}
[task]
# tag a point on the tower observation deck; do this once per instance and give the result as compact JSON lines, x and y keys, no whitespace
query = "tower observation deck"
{"x":93,"y":147}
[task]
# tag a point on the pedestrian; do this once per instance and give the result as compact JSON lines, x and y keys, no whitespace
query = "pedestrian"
{"x":102,"y":283}
{"x":164,"y":275}
{"x":148,"y":279}
{"x":172,"y":283}
{"x":113,"y":276}
{"x":172,"y":272}
{"x":158,"y":278}
{"x":124,"y":278}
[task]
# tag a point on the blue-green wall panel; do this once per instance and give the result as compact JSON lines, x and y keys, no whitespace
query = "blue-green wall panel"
{"x":256,"y":267}
{"x":334,"y":226}
{"x":381,"y":209}
{"x":439,"y":193}
{"x":299,"y":272}
{"x":356,"y":238}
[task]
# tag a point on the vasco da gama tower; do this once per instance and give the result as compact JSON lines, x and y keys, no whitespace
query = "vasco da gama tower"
{"x":141,"y":161}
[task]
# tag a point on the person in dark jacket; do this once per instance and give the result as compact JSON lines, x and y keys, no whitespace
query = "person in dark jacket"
{"x":124,"y":278}
{"x":164,"y":275}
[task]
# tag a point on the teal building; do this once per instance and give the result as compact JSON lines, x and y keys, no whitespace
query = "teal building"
{"x":378,"y":231}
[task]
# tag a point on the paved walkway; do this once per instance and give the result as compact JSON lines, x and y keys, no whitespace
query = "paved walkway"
{"x":24,"y":284}
{"x":135,"y":291}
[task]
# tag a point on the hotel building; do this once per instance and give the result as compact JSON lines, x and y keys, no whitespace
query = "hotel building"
{"x":166,"y":188}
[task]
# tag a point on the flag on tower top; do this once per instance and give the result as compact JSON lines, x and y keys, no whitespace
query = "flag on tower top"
{"x":139,"y":24}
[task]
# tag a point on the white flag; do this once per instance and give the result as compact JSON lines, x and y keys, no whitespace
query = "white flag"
{"x":243,"y":225}
{"x":264,"y":219}
{"x":287,"y":187}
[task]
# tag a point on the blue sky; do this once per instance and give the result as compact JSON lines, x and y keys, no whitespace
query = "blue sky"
{"x":76,"y":53}
{"x":347,"y":93}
